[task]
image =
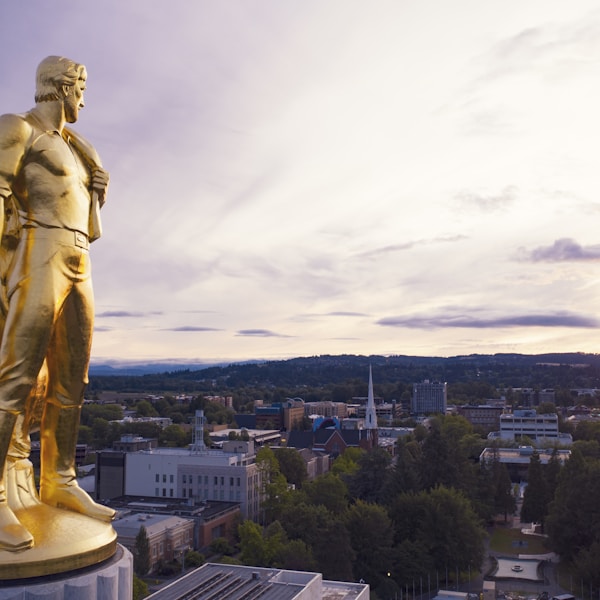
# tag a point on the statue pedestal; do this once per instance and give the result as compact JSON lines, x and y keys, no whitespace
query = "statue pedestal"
{"x":63,"y":541}
{"x":110,"y":580}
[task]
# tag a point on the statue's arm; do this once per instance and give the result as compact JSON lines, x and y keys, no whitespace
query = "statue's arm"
{"x":14,"y":136}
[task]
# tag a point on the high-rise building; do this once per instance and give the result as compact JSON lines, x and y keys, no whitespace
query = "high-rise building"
{"x":429,"y":397}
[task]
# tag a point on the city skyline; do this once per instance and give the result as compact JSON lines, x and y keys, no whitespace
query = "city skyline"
{"x":301,"y":178}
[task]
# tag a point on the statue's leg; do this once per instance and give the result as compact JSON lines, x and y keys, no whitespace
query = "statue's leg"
{"x":29,"y":307}
{"x":13,"y":536}
{"x":58,"y":486}
{"x":68,"y":359}
{"x":20,"y":481}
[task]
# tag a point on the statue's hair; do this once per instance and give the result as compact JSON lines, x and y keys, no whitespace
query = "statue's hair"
{"x":54,"y":72}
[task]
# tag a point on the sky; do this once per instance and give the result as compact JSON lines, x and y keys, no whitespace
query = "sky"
{"x":307,"y":177}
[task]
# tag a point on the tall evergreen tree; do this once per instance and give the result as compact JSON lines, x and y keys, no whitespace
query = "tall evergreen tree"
{"x":141,"y":553}
{"x":535,"y":498}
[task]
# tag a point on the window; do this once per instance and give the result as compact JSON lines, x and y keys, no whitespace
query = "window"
{"x":216,"y":480}
{"x":171,"y":478}
{"x":238,"y":482}
{"x":171,"y":492}
{"x":183,"y":491}
{"x":164,"y":491}
{"x":206,"y":480}
{"x":222,"y":480}
{"x":199,"y":479}
{"x":231,"y":481}
{"x":184,"y":478}
{"x":164,"y":478}
{"x":157,"y":478}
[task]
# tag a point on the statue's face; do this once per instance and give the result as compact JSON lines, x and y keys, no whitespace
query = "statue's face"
{"x":74,"y":99}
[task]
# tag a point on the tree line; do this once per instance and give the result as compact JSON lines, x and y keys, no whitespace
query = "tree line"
{"x":424,"y":516}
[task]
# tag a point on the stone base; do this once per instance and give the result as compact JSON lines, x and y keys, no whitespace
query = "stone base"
{"x":110,"y":580}
{"x":63,"y":541}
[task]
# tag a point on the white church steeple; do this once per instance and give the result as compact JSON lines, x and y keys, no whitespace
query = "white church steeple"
{"x":371,"y":414}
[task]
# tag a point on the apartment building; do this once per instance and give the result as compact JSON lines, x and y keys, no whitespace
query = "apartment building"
{"x":429,"y":397}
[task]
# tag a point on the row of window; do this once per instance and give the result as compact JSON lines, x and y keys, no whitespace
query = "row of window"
{"x":216,"y":495}
{"x":164,"y":478}
{"x":201,"y":479}
{"x":217,"y":480}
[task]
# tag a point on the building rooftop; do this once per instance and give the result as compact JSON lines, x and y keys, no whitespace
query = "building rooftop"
{"x":129,"y":526}
{"x":522,"y":455}
{"x":235,"y":582}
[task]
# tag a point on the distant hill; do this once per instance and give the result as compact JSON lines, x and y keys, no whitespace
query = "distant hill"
{"x":517,"y":370}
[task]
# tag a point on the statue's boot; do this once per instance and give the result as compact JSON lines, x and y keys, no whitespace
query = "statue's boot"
{"x":58,"y":481}
{"x":13,"y":536}
{"x":20,"y":481}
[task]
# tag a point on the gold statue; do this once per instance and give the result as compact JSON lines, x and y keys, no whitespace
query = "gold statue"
{"x":51,"y":188}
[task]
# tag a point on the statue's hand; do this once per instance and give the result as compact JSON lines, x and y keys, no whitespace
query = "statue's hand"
{"x":100,"y":178}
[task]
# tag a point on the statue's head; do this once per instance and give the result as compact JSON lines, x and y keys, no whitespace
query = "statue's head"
{"x":59,"y":78}
{"x":53,"y":73}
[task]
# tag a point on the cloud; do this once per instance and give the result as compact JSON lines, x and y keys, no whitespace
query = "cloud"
{"x":186,"y":328}
{"x":556,"y":319}
{"x":564,"y":249}
{"x":259,"y":333}
{"x":392,"y":248}
{"x":487,"y":202}
{"x":123,"y":313}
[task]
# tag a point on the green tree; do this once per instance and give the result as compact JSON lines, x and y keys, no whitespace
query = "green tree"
{"x":535,"y":498}
{"x":442,"y":526}
{"x":551,"y":474}
{"x":336,"y":566}
{"x":369,"y":482}
{"x":504,"y":499}
{"x":221,"y":545}
{"x":174,"y":436}
{"x":295,"y":555}
{"x":586,"y":567}
{"x":347,"y":463}
{"x":141,"y":553}
{"x":140,"y":588}
{"x":404,"y":475}
{"x":253,"y":547}
{"x":371,"y":534}
{"x":194,"y":559}
{"x":436,"y":464}
{"x":573,"y":521}
{"x":327,"y":490}
{"x":292,"y":466}
{"x":144,"y":409}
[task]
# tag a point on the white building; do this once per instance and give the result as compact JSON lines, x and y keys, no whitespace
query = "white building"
{"x":230,"y":475}
{"x":527,"y":423}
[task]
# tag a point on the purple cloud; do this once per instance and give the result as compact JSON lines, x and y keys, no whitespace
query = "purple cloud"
{"x":564,"y":249}
{"x":557,"y":319}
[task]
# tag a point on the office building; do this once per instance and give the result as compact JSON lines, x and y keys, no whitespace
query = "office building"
{"x":429,"y":397}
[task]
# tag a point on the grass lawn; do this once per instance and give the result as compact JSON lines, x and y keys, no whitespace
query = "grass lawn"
{"x":506,"y":540}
